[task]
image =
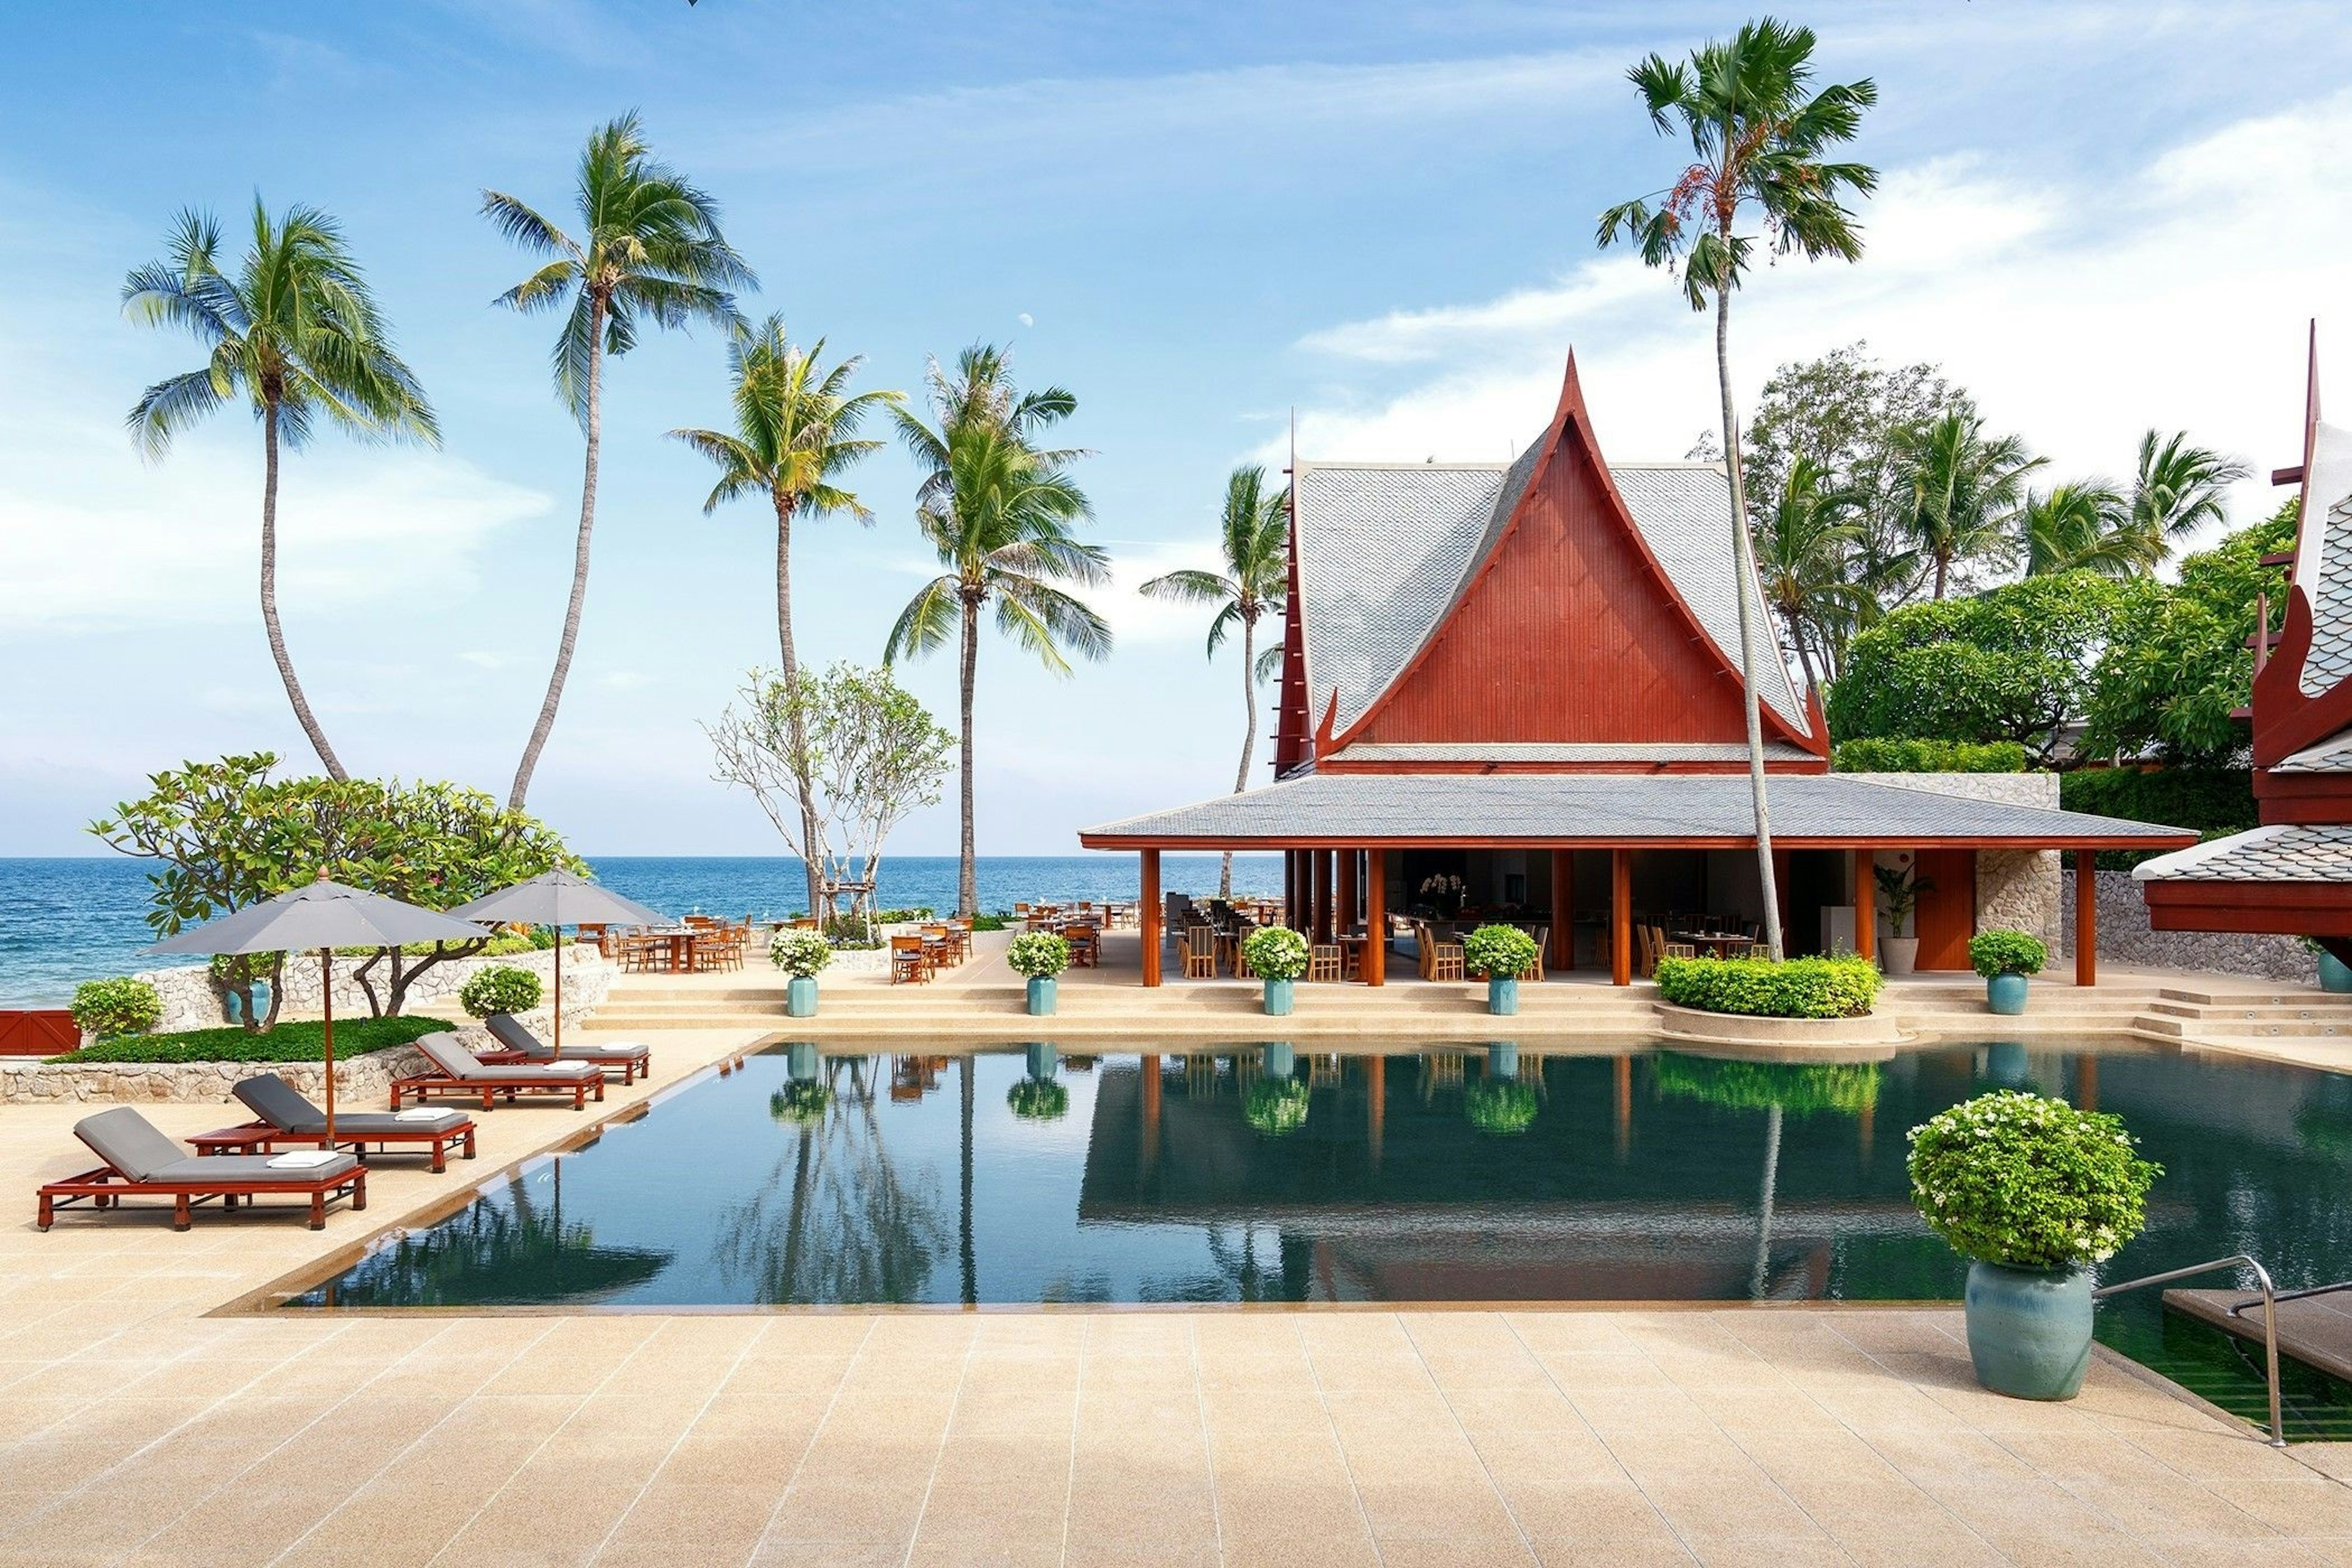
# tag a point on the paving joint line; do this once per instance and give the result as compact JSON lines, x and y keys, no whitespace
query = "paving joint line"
{"x":679,"y":1441}
{"x":815,"y":1433}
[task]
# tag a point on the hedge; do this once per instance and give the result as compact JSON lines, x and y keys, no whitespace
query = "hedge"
{"x":1872,"y":756}
{"x":2210,"y":801}
{"x":1796,"y":988}
{"x":1797,"y":1087}
{"x":302,"y":1042}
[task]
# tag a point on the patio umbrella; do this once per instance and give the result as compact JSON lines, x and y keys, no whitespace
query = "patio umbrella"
{"x":557,"y":899}
{"x":325,"y":915}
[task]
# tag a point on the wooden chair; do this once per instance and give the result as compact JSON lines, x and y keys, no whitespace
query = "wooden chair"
{"x":1323,"y":962}
{"x":1199,"y":950}
{"x":1543,"y":945}
{"x":938,"y":946}
{"x":1086,"y":946}
{"x":1446,"y":960}
{"x":906,"y":962}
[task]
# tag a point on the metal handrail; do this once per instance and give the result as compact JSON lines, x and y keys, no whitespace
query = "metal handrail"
{"x":2270,"y":1317}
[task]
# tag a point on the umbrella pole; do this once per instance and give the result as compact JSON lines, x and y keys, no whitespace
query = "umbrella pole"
{"x":327,"y":1001}
{"x":558,"y":990}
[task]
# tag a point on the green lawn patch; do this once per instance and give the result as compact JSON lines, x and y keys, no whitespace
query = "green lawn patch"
{"x":296,"y":1042}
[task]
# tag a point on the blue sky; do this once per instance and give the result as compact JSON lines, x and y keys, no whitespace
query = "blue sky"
{"x":1199,"y":218}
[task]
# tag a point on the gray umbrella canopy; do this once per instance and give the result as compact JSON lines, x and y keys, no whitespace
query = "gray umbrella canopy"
{"x":557,"y":899}
{"x":324,"y":914}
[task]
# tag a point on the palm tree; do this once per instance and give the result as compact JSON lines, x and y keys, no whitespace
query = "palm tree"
{"x":796,"y":427}
{"x":2179,"y":488}
{"x":1255,"y":537}
{"x":1804,"y":554}
{"x":1757,"y":139}
{"x":2086,"y":526}
{"x":297,"y":333}
{"x":999,"y":511}
{"x":1962,"y":491}
{"x":650,"y":251}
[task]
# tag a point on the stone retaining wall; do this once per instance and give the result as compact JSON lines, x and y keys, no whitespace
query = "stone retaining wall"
{"x":2017,"y":890}
{"x":2125,"y":937}
{"x":191,"y":1000}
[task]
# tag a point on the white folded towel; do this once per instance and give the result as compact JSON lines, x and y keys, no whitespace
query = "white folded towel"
{"x":563,"y":1066}
{"x":418,"y":1113}
{"x":303,"y":1160}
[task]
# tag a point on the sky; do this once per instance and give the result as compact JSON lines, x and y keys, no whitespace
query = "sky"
{"x":1205,"y":220}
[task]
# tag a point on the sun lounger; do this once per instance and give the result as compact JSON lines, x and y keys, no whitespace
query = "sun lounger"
{"x":142,"y":1161}
{"x":635,"y":1059}
{"x":283,"y":1118}
{"x":456,"y":1070}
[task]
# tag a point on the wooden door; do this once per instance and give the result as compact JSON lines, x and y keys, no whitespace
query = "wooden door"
{"x":1946,"y":916}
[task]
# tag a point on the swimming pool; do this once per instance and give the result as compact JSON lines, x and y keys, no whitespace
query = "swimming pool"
{"x":1255,"y":1173}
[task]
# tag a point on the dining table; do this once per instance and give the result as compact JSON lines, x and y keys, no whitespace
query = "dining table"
{"x":1716,"y":943}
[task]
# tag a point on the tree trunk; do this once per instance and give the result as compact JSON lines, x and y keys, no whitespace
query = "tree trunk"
{"x":302,"y":713}
{"x":1943,"y":569}
{"x":1744,"y":549}
{"x":1805,"y":656}
{"x":1249,"y":735}
{"x":792,"y":670}
{"x":968,"y":867}
{"x":539,"y":731}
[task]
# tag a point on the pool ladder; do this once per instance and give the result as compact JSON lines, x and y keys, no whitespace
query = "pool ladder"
{"x":2269,"y":1299}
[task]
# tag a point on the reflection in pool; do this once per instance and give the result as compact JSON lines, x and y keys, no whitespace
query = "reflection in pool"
{"x":1275,"y":1172}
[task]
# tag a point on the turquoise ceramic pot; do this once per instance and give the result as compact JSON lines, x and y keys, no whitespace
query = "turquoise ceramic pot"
{"x":800,"y":997}
{"x":1041,"y":1059}
{"x":1503,"y":995}
{"x":2335,"y":974}
{"x":1277,"y":997}
{"x":1040,"y":995}
{"x":802,"y":1061}
{"x":2030,"y":1330}
{"x":1281,"y":1059}
{"x":2005,"y":1063}
{"x":1503,"y":1058}
{"x":2005,"y":994}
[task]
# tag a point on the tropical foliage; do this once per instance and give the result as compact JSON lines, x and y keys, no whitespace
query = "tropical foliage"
{"x":498,"y":988}
{"x":125,"y":1005}
{"x":1500,"y":1106}
{"x":1038,"y":1099}
{"x":1794,"y":988}
{"x":1497,"y":949}
{"x":295,"y":333}
{"x":1869,"y":755}
{"x":1276,"y":1106}
{"x":1996,"y":952}
{"x":2032,"y":1182}
{"x":1799,"y":1088}
{"x":1037,"y":953}
{"x":304,"y":1041}
{"x":801,"y":954}
{"x":1275,"y":953}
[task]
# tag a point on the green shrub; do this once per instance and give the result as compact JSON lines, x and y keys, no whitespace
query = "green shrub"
{"x":2210,"y":801}
{"x":1275,"y":953}
{"x":852,"y":932}
{"x":1497,"y":949}
{"x":2029,"y":1181}
{"x":1037,"y":953}
{"x":301,"y":1042}
{"x":498,"y":988}
{"x":1038,"y":1099}
{"x":1796,"y":988}
{"x":1874,"y":756}
{"x":120,"y":1007}
{"x":1799,"y":1088}
{"x":1501,"y":1107}
{"x":991,"y":923}
{"x":1276,"y":1106}
{"x":801,"y":1102}
{"x":1992,"y":953}
{"x":901,"y":917}
{"x":799,"y":953}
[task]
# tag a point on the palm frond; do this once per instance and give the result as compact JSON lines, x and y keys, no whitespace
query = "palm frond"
{"x":928,"y":622}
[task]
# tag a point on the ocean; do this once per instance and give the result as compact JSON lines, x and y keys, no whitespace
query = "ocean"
{"x":66,"y":921}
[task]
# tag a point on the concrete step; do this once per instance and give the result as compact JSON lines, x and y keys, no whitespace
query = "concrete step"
{"x":2218,"y":1014}
{"x":2256,"y":996}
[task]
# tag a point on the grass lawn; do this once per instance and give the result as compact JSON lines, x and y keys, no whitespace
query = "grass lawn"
{"x":293,"y":1042}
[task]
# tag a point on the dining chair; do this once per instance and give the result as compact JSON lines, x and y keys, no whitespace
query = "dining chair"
{"x":1446,"y":960}
{"x":906,"y":965}
{"x":1323,"y":962}
{"x":1086,"y":946}
{"x":1199,"y":951}
{"x":1542,"y":935}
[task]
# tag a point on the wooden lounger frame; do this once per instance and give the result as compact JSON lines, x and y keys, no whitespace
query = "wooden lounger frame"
{"x":420,"y":1085}
{"x":106,"y":1187}
{"x":266,"y":1138}
{"x":628,"y":1064}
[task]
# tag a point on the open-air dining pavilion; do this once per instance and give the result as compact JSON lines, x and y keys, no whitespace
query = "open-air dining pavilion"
{"x":1511,"y":691}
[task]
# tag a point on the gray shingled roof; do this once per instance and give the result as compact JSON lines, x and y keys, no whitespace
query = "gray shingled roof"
{"x":1601,"y":807}
{"x":1385,"y":550}
{"x":2280,"y":853}
{"x":2324,"y":564}
{"x":2333,"y":756}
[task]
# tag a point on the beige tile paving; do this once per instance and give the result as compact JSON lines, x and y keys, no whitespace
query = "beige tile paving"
{"x":136,"y":1428}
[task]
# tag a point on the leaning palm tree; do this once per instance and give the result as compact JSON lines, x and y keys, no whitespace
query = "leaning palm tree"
{"x":1254,"y":535}
{"x":1961,"y":493}
{"x":2179,"y":488}
{"x":1804,"y":559}
{"x":999,"y":511}
{"x":2086,"y":525}
{"x":649,"y":251}
{"x":297,"y":332}
{"x":796,"y":426}
{"x":1758,"y":140}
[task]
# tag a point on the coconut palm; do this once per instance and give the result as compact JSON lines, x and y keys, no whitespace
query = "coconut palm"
{"x":2179,"y":488}
{"x":1804,"y":554}
{"x":1961,"y":492}
{"x":999,"y":511}
{"x":2086,"y":525}
{"x":1254,"y":536}
{"x":295,"y":332}
{"x":796,"y":426}
{"x":649,"y":251}
{"x":1759,"y":140}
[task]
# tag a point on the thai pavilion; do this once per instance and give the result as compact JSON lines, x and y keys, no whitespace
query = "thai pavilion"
{"x":1527,"y":675}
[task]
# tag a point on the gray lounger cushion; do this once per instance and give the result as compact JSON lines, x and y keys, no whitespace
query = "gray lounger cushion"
{"x":249,"y":1168}
{"x":284,"y":1107}
{"x":507,"y":1030}
{"x":138,"y":1148}
{"x":458,"y":1062}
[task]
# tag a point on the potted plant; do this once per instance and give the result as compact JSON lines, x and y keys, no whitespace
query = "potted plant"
{"x":2006,"y":958}
{"x":800,"y":953}
{"x":1277,"y":955}
{"x":1899,"y":888}
{"x":1276,"y":1106}
{"x":1039,"y":1096}
{"x":1501,"y":954}
{"x":2335,"y":974}
{"x":2032,"y":1192}
{"x":1040,"y":955}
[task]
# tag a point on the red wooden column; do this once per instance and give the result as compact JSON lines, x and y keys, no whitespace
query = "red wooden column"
{"x":1376,"y":1104}
{"x":1150,"y":1154}
{"x":1620,"y":917}
{"x":1865,"y":904}
{"x":2087,"y":917}
{"x":1318,"y":916}
{"x":1563,"y":907}
{"x":1146,"y":917}
{"x":1375,"y":917}
{"x":1344,"y":919}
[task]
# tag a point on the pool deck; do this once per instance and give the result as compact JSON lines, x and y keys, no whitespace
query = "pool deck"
{"x":142,"y":1424}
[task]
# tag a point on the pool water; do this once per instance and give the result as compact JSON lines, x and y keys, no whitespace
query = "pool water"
{"x":1269,"y":1173}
